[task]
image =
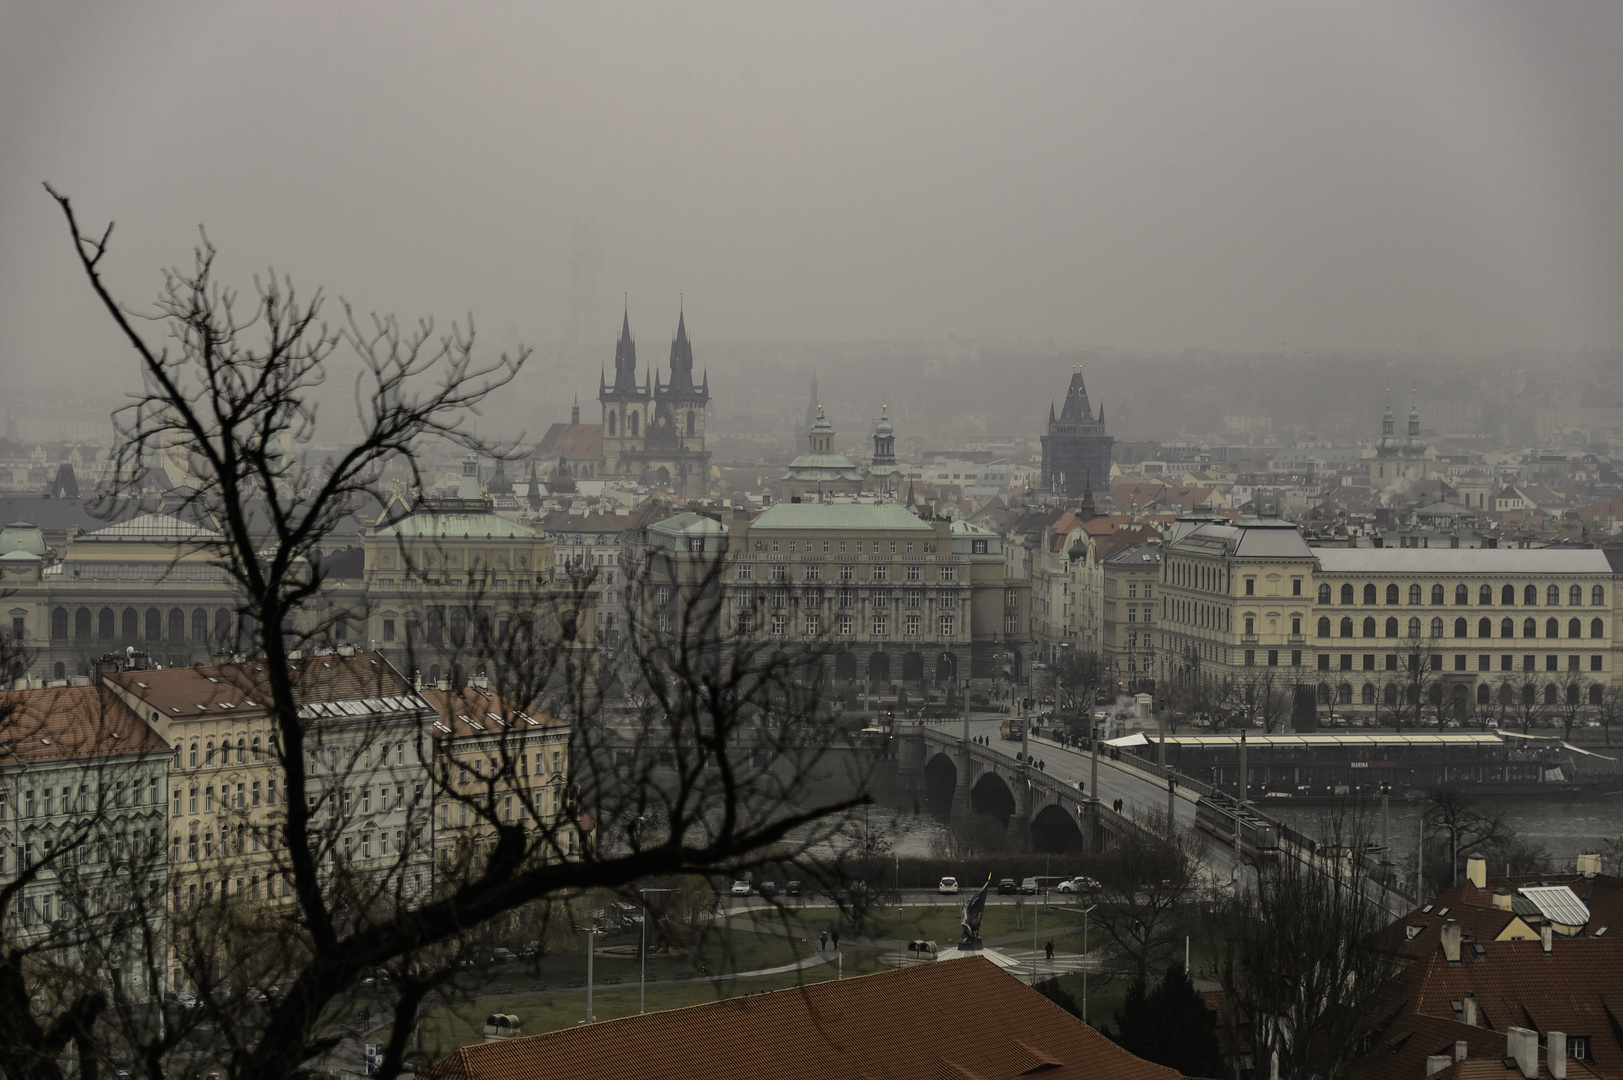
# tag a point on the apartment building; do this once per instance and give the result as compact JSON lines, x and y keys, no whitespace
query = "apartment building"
{"x":83,"y":786}
{"x":1130,"y":580}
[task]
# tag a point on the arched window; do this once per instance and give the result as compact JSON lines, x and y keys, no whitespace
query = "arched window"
{"x":1552,"y":694}
{"x":1530,"y":596}
{"x":1414,"y":627}
{"x":1414,"y":594}
{"x":154,"y":622}
{"x":60,"y":671}
{"x":1597,"y":596}
{"x":208,"y":758}
{"x":1484,"y":596}
{"x":1346,"y":628}
{"x":130,"y":624}
{"x":1529,"y":628}
{"x":1529,"y":693}
{"x":1437,"y":594}
{"x":1389,"y":695}
{"x":1462,"y":595}
{"x":690,"y":423}
{"x":1324,"y":625}
{"x":1366,"y":696}
{"x":1507,"y":628}
{"x":1324,"y":594}
{"x":59,"y":624}
{"x":1595,"y":694}
{"x":1484,"y":628}
{"x":1391,"y":626}
{"x":1369,"y":594}
{"x":1483,"y":694}
{"x":1391,"y":594}
{"x":1324,"y":693}
{"x":1575,"y":628}
{"x":106,"y":623}
{"x":200,"y":625}
{"x":1434,"y":693}
{"x":612,"y":426}
{"x":1597,"y":628}
{"x":242,"y":751}
{"x":1346,"y":594}
{"x":631,"y":422}
{"x":1436,"y":627}
{"x":1575,"y":595}
{"x":1459,"y":628}
{"x":177,"y":625}
{"x":1574,"y":694}
{"x":1369,"y":627}
{"x":1552,"y":628}
{"x":225,"y":754}
{"x":1344,"y":693}
{"x":1552,"y":595}
{"x":222,"y":626}
{"x":1507,"y":595}
{"x":81,"y":624}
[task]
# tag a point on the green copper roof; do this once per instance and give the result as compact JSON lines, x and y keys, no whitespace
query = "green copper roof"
{"x":879,"y":517}
{"x":22,"y":536}
{"x":457,"y":526}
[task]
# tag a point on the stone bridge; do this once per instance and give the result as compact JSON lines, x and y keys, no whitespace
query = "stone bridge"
{"x":959,"y":781}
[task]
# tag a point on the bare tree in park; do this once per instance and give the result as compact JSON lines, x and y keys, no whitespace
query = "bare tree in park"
{"x":710,"y":778}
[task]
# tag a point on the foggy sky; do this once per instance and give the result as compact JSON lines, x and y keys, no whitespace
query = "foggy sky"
{"x":1438,"y":177}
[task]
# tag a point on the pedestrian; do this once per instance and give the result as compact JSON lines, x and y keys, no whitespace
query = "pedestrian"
{"x":836,"y":941}
{"x":1050,"y":948}
{"x":1042,"y":766}
{"x":822,"y":941}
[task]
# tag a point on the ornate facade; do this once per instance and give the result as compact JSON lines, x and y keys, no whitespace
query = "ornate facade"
{"x":653,"y":432}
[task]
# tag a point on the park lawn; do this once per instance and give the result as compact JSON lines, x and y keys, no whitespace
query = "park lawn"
{"x":450,"y":1026}
{"x":938,"y":922}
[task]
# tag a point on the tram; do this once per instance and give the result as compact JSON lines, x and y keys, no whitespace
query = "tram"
{"x":1242,"y":831}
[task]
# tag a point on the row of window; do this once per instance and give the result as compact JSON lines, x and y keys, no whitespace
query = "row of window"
{"x":1484,"y":662}
{"x":1484,"y":629}
{"x":1527,"y":694}
{"x":69,"y":801}
{"x":880,"y":599}
{"x":846,"y":572}
{"x":927,"y":547}
{"x":846,"y":625}
{"x":1462,"y":595}
{"x":108,"y":625}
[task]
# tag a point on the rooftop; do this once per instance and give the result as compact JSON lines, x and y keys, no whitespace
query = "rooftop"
{"x":955,"y":1019}
{"x":57,"y":723}
{"x":878,"y":517}
{"x":223,"y":689}
{"x":1462,"y":561}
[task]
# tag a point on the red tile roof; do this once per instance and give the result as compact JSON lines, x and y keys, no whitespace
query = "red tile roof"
{"x":953,"y":1019}
{"x":59,"y":723}
{"x":222,"y":689}
{"x":1402,"y":1050}
{"x":470,"y":711}
{"x":570,"y":440}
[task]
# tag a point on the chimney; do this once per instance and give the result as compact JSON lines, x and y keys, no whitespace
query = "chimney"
{"x":1501,"y":898}
{"x":1589,"y":865}
{"x":417,"y":679}
{"x":1555,"y":1053}
{"x":1461,"y":1050}
{"x":1546,"y":937}
{"x":1521,"y":1046}
{"x":1451,"y":941}
{"x":445,"y":682}
{"x":1470,"y":1011}
{"x":1476,"y":871}
{"x":1436,"y":1063}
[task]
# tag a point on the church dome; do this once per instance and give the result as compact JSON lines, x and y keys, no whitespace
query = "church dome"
{"x":22,"y":536}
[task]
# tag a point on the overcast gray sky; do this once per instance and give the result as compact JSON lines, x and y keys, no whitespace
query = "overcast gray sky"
{"x":1144,"y":175}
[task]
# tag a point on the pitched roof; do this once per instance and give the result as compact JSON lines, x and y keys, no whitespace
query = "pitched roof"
{"x":59,"y":723}
{"x":956,"y":1018}
{"x":221,"y":689}
{"x":570,"y":440}
{"x":471,"y":711}
{"x":850,"y":516}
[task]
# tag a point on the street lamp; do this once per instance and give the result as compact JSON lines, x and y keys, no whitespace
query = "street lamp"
{"x":642,"y":952}
{"x":591,"y":947}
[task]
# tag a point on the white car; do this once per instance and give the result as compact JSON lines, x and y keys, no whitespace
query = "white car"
{"x":741,"y":888}
{"x":948,"y":886}
{"x":1078,"y":884}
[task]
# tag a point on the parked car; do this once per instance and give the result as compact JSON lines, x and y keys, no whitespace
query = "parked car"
{"x":1029,"y":886}
{"x":768,"y":889}
{"x":741,"y":888}
{"x":948,"y":886}
{"x":501,"y":955}
{"x":1006,"y":887}
{"x":186,"y":999}
{"x":1078,"y":884}
{"x":794,"y":888}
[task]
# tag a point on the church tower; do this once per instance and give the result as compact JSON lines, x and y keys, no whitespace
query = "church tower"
{"x":625,"y":407}
{"x":1076,"y":449}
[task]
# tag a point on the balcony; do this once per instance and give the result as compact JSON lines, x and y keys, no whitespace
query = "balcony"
{"x":1296,"y":639}
{"x":1248,"y":639}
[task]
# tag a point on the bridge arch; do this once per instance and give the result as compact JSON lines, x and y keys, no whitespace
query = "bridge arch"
{"x":992,"y":798}
{"x":940,"y":782}
{"x":1055,"y":830}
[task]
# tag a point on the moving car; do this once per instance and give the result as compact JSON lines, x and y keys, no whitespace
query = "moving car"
{"x":948,"y":886}
{"x":1029,"y":886}
{"x":1078,"y":884}
{"x":741,"y":888}
{"x":768,"y":889}
{"x":1006,"y":887}
{"x":793,"y":888}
